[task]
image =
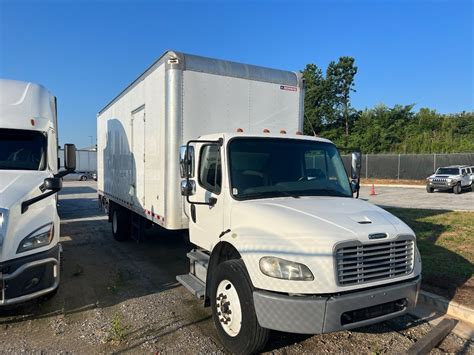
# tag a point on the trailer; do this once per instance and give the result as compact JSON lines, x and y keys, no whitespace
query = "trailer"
{"x":216,"y":147}
{"x":86,"y":160}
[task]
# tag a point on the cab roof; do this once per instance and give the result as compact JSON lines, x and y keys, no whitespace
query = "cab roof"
{"x":21,"y":102}
{"x":229,"y":136}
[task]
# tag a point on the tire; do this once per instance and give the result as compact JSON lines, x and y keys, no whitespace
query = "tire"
{"x":233,"y":282}
{"x":83,"y":178}
{"x":121,"y":224}
{"x":457,"y":188}
{"x":429,"y":189}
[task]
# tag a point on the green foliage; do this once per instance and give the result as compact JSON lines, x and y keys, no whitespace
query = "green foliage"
{"x":117,"y":331}
{"x":381,"y":129}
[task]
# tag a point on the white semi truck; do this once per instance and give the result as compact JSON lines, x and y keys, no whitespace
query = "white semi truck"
{"x":29,"y":180}
{"x":280,"y":243}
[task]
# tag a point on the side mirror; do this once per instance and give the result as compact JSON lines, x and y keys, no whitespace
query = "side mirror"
{"x":186,"y":161}
{"x":356,"y":165}
{"x":53,"y":184}
{"x":188,"y":187}
{"x":70,"y":157}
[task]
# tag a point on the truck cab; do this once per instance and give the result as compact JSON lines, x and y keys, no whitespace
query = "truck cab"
{"x":282,"y":244}
{"x":29,"y":181}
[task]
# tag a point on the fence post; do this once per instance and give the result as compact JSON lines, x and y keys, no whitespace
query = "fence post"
{"x":398,"y":170}
{"x":367,"y":166}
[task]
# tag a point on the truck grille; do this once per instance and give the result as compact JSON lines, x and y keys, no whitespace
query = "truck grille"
{"x":358,"y":263}
{"x":439,"y":181}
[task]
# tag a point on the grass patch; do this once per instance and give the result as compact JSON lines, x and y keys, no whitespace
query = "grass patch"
{"x":118,"y":330}
{"x":446,"y":243}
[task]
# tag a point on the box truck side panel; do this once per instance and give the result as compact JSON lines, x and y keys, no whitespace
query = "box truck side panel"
{"x":154,"y":186}
{"x":131,"y":148}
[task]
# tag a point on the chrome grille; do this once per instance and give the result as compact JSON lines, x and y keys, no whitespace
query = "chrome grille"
{"x":358,"y":263}
{"x":439,"y":181}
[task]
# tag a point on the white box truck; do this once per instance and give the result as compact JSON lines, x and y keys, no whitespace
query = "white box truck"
{"x":29,"y":180}
{"x":280,"y":243}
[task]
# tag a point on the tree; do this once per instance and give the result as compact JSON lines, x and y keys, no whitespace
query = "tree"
{"x":340,"y":78}
{"x":318,"y":102}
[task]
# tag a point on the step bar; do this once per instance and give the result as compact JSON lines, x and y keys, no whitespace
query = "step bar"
{"x":195,"y":280}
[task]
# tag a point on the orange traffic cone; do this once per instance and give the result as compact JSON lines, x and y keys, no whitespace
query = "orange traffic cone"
{"x":372,"y":191}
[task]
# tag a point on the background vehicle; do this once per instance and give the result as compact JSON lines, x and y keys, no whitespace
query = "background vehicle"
{"x":455,"y":177}
{"x":86,"y":160}
{"x":78,"y":176}
{"x":280,"y":241}
{"x":29,"y":180}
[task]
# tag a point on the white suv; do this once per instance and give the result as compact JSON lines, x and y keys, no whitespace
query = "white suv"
{"x":456,"y":177}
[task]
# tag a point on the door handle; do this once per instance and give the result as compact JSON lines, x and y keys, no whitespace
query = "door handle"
{"x":193,"y":213}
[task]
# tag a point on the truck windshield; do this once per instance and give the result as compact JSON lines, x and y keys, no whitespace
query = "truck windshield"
{"x":447,"y":171}
{"x":22,"y":150}
{"x":277,"y":167}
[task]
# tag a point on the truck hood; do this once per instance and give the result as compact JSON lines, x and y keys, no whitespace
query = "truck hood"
{"x":323,"y":219}
{"x":16,"y":186}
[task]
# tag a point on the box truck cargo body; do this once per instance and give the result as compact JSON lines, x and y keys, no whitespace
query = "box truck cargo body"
{"x":29,"y":180}
{"x":280,"y":241}
{"x":179,"y":98}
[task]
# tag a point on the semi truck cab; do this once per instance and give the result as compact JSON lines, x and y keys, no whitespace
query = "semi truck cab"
{"x":29,"y":180}
{"x":284,"y":245}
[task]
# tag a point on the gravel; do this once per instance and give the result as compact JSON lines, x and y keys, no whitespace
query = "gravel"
{"x":123,"y":297}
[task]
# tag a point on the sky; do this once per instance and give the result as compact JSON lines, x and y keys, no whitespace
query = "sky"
{"x":86,"y":52}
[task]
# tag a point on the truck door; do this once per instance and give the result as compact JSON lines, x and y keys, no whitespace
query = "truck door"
{"x":206,"y":221}
{"x":138,"y":157}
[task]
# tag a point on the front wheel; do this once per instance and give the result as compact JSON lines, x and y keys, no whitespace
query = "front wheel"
{"x":429,"y":189}
{"x":457,"y":189}
{"x":233,"y":310}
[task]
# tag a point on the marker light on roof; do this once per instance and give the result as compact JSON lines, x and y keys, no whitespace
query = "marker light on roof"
{"x":282,"y":131}
{"x":299,"y":133}
{"x":239,"y":130}
{"x":266,"y":130}
{"x":32,"y":122}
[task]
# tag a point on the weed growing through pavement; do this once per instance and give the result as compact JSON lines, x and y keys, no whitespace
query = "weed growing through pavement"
{"x":118,"y":330}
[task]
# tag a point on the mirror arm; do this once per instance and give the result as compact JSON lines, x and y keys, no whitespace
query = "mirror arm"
{"x":358,"y":187}
{"x":212,"y":200}
{"x":28,"y":203}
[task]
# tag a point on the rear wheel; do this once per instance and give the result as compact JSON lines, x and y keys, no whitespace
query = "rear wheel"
{"x":429,"y":189}
{"x":457,"y":189}
{"x":83,"y":178}
{"x":121,"y":223}
{"x":233,"y":310}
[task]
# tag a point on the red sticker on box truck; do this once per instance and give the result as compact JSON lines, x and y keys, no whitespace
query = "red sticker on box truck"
{"x":288,"y":88}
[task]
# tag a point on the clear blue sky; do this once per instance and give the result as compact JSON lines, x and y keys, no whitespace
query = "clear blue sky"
{"x":85,"y":52}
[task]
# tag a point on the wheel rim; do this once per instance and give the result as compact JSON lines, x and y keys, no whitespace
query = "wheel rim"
{"x":114,"y":222}
{"x":228,"y":307}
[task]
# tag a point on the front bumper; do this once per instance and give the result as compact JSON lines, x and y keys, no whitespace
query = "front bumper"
{"x":29,"y":277}
{"x":324,"y":314}
{"x":442,"y":184}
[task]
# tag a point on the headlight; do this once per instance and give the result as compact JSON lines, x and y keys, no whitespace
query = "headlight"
{"x":417,"y":254}
{"x":3,"y":224}
{"x":449,"y":180}
{"x":284,"y":269}
{"x":39,"y":238}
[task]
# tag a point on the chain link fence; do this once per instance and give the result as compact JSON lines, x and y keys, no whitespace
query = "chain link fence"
{"x":406,"y":166}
